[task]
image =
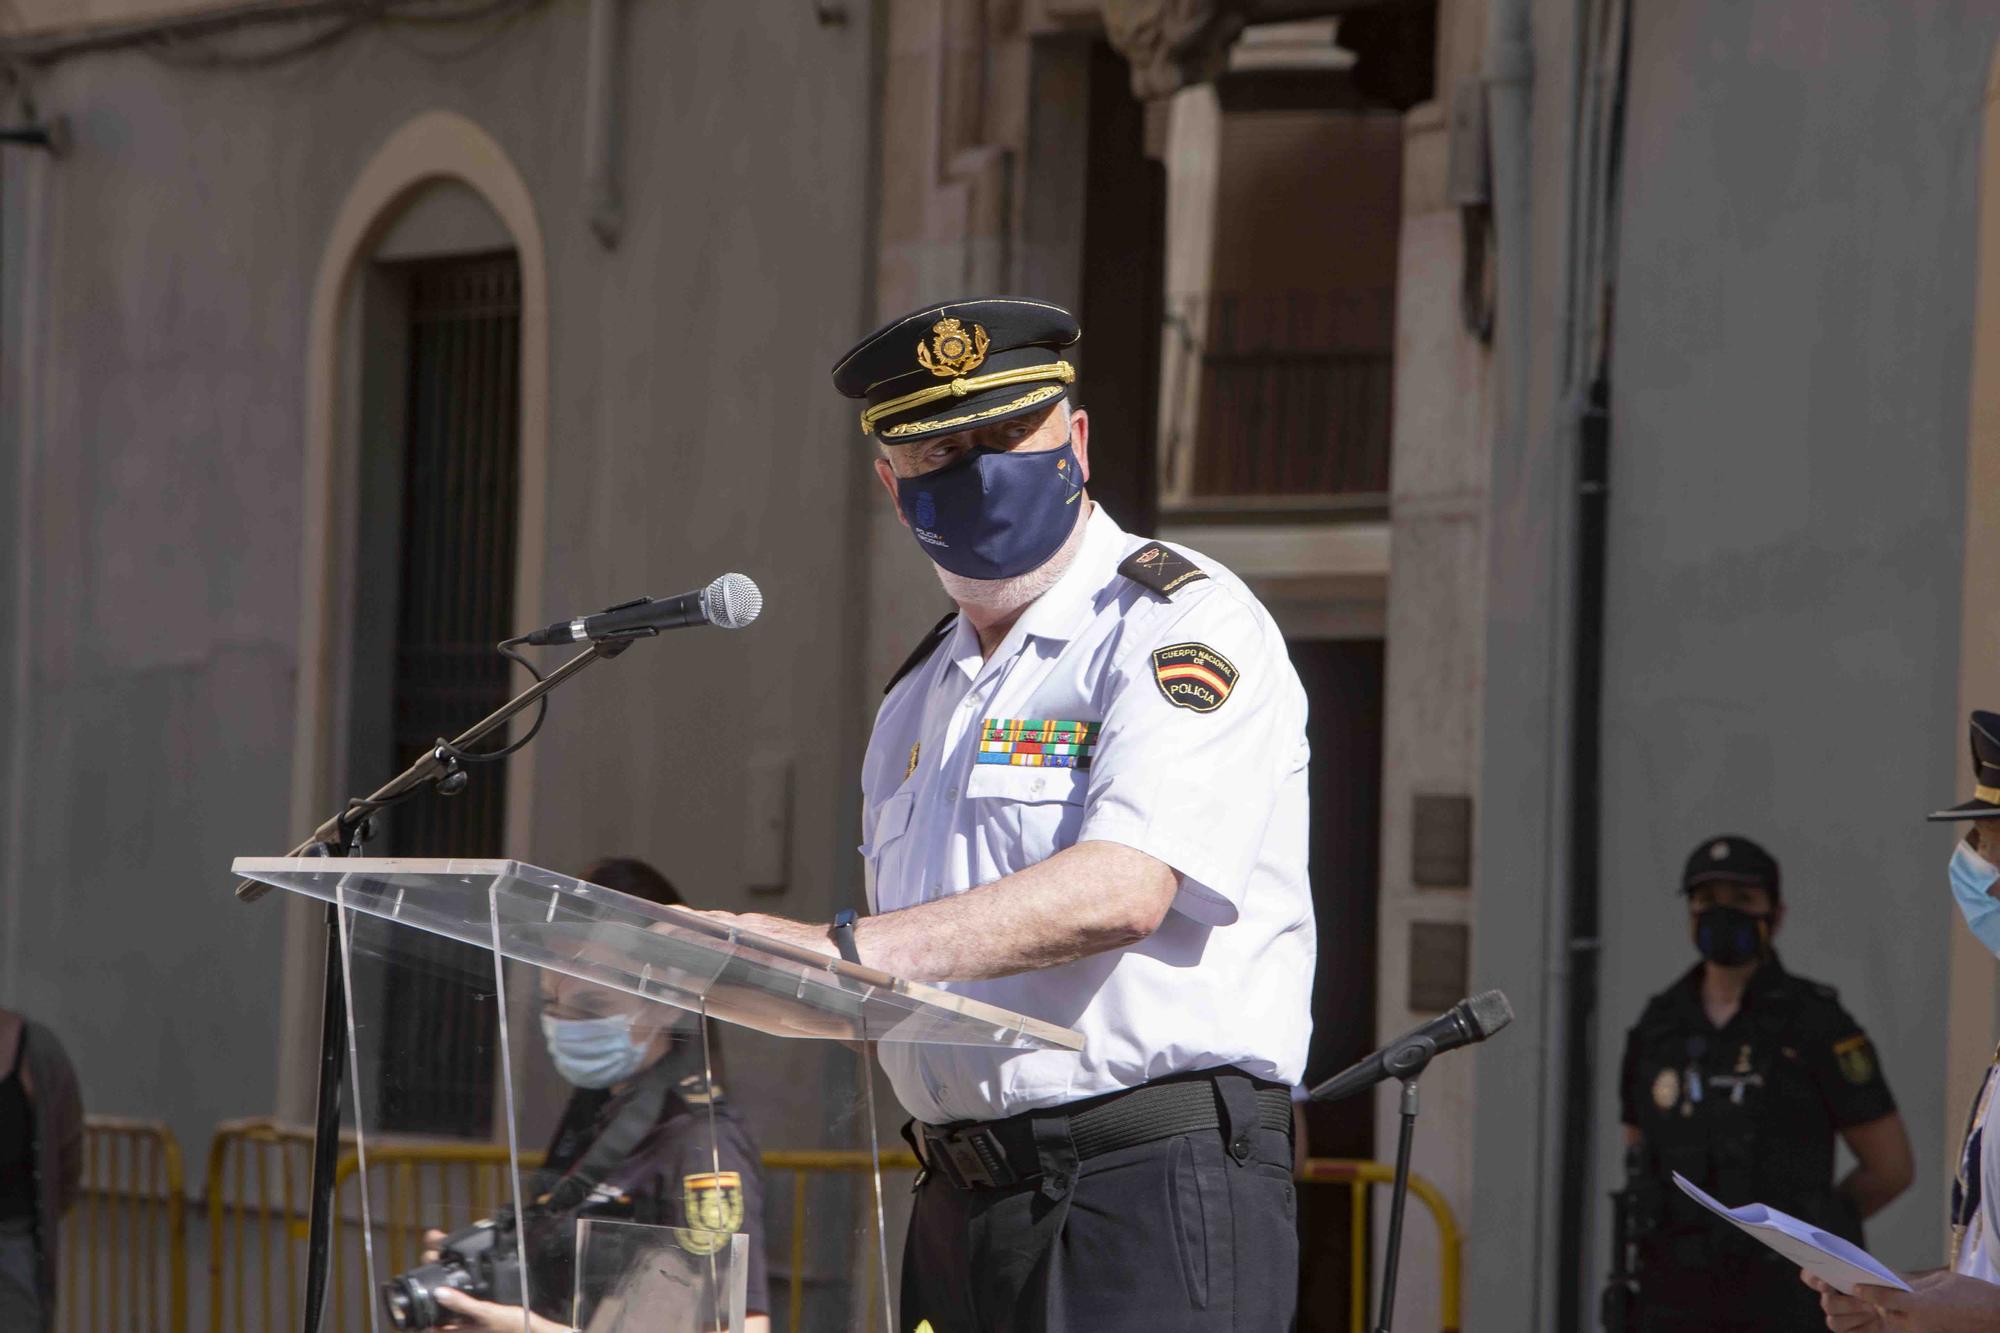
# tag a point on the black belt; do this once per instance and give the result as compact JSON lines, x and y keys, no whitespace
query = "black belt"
{"x":993,"y":1154}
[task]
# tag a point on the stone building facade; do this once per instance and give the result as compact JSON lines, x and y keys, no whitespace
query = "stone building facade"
{"x":1596,"y":392}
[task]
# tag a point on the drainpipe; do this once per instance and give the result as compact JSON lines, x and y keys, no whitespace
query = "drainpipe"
{"x":602,"y":197}
{"x":1509,"y":79}
{"x":1576,"y":457}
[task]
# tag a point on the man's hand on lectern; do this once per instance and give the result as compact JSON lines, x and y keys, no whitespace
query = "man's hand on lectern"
{"x":798,"y":934}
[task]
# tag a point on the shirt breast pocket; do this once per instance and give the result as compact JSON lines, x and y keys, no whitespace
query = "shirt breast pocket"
{"x":882,"y":855}
{"x":1026,"y":814}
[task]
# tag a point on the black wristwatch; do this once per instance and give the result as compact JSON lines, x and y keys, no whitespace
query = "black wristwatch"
{"x":843,"y":934}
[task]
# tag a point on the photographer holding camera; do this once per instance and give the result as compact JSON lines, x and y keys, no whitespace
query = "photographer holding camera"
{"x":634,"y":1144}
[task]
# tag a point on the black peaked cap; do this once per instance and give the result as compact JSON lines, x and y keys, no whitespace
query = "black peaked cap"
{"x":1729,"y":856}
{"x":959,"y":364}
{"x":1985,"y":802}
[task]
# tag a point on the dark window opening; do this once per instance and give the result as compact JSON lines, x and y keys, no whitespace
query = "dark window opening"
{"x":457,"y":509}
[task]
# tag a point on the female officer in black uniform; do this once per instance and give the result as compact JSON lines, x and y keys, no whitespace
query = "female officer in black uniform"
{"x":634,"y":1142}
{"x":1739,"y":1076}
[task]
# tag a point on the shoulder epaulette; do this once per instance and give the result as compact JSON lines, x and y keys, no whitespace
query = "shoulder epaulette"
{"x":923,"y":650}
{"x":1161,"y":568}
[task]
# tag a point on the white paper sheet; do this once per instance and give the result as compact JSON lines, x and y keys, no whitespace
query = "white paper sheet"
{"x":1839,"y":1263}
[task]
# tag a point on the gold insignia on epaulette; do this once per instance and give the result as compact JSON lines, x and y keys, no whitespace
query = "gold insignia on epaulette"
{"x":952,"y":351}
{"x":1857,"y":1058}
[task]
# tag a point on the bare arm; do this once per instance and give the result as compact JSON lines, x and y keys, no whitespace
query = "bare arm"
{"x":1883,"y":1165}
{"x":1084,"y":900}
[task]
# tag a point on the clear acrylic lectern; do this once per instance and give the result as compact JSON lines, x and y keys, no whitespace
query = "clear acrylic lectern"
{"x":535,"y":1076}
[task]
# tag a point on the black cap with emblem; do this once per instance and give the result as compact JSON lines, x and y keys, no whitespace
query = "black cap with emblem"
{"x":1985,"y":802}
{"x":1732,"y":858}
{"x":957,"y":365}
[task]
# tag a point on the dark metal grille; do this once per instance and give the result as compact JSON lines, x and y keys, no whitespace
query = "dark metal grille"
{"x":461,"y":479}
{"x":1293,"y":402}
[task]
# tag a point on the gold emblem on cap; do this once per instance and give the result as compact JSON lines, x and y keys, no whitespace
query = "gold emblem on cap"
{"x":952,"y":350}
{"x":1719,"y":851}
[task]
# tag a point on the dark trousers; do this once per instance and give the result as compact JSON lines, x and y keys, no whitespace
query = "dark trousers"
{"x":1732,"y":1293}
{"x":1170,"y":1236}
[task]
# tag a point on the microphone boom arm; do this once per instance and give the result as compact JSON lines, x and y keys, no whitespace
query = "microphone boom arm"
{"x":431,"y":766}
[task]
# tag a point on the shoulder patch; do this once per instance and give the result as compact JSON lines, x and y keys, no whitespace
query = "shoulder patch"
{"x":1193,"y":676}
{"x":712,"y":1205}
{"x":923,"y":650}
{"x":1857,"y":1058}
{"x":1161,"y":568}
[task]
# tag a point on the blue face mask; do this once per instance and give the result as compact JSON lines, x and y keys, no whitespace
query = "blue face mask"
{"x":993,"y":515}
{"x":594,"y":1052}
{"x":1971,"y":877}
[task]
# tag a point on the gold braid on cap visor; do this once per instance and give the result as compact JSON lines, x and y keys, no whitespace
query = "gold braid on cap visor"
{"x":1990,"y":795}
{"x":959,"y":388}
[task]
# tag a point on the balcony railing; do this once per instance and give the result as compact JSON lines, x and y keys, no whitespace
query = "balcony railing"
{"x":1278,"y":403}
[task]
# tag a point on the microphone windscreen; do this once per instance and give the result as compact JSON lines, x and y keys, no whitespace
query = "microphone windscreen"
{"x":732,"y":601}
{"x":1491,"y":1012}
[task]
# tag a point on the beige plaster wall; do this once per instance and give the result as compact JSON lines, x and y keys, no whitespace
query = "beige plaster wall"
{"x":1436,"y":629}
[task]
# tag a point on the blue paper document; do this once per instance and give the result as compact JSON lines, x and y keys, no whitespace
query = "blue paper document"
{"x":1839,"y":1263}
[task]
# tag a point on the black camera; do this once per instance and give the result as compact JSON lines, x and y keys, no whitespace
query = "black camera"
{"x":483,"y":1261}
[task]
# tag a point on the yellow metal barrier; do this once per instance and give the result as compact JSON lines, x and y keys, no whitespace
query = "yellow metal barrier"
{"x":257,"y":1186}
{"x":257,"y":1177}
{"x":258,"y":1172}
{"x":1360,"y":1177}
{"x":124,"y":1243}
{"x":413,"y":1186}
{"x":802,"y":1163}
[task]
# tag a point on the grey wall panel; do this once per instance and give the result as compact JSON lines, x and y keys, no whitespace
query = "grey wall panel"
{"x":692,"y":431}
{"x":1789,"y":421}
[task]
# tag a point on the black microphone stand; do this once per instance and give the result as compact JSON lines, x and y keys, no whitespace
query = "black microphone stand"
{"x":1406,"y":1061}
{"x":438,"y":768}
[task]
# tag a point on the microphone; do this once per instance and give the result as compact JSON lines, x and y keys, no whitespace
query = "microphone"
{"x":1467,"y":1021}
{"x":731,"y":602}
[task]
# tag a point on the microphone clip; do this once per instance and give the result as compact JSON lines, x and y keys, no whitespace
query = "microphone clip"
{"x":1408,"y":1059}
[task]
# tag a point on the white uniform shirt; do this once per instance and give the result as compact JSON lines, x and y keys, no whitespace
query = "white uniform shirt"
{"x":1978,"y":1248}
{"x":954,"y":798}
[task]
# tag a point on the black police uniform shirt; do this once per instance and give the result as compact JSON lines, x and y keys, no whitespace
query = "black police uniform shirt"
{"x":674,"y":1177}
{"x":1749,"y":1111}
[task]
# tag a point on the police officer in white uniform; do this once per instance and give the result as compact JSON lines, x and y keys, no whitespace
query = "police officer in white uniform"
{"x":1084,"y":800}
{"x":1966,"y":1296}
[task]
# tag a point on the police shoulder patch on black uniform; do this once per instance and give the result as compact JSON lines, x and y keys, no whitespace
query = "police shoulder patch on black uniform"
{"x":712,"y":1203}
{"x":1857,"y":1058}
{"x":923,"y":650}
{"x":1161,"y":568}
{"x":1194,"y":676}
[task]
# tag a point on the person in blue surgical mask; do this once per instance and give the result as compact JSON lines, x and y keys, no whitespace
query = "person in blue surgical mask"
{"x":1965,"y":1296}
{"x":640,"y":1076}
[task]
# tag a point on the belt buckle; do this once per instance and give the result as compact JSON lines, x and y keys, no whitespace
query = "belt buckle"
{"x":974,"y":1158}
